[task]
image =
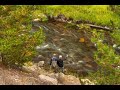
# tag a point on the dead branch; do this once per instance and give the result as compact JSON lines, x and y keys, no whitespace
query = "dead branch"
{"x":99,"y":27}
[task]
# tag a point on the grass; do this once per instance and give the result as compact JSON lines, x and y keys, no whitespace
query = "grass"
{"x":106,"y":59}
{"x":100,"y":14}
{"x":16,"y":45}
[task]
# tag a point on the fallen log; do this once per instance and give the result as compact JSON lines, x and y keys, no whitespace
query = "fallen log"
{"x":99,"y":27}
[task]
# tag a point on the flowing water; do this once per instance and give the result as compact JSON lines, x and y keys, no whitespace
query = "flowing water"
{"x":61,"y":40}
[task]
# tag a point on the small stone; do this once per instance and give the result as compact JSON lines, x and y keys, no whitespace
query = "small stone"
{"x":81,"y":62}
{"x":41,"y":63}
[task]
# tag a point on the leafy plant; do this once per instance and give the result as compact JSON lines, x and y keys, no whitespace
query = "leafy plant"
{"x":106,"y":59}
{"x":17,"y":43}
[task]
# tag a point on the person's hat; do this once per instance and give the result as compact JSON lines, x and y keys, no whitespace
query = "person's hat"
{"x":54,"y":54}
{"x":60,"y":56}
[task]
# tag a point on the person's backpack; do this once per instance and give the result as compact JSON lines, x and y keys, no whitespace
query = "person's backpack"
{"x":54,"y":61}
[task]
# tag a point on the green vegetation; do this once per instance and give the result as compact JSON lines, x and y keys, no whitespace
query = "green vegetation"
{"x":17,"y":43}
{"x":100,"y":14}
{"x":106,"y":58}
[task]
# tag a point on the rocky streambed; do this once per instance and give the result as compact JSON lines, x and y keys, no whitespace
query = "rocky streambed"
{"x":66,"y":41}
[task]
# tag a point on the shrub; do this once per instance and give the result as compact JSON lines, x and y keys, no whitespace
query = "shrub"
{"x":106,"y":59}
{"x":16,"y":42}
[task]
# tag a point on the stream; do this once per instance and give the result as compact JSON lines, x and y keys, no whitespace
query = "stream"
{"x":65,"y":41}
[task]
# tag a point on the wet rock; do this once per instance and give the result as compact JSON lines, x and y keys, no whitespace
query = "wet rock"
{"x":68,"y":79}
{"x":81,"y":62}
{"x":61,"y":18}
{"x":41,"y":63}
{"x":48,"y":80}
{"x":87,"y":82}
{"x":38,"y":58}
{"x":73,"y":66}
{"x":82,"y":72}
{"x":44,"y":46}
{"x":87,"y":59}
{"x":88,"y":65}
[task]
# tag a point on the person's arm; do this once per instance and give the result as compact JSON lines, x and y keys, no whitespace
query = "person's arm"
{"x":50,"y":61}
{"x":63,"y":63}
{"x":66,"y":57}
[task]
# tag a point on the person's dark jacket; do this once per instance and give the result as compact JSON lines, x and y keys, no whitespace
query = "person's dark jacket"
{"x":60,"y":63}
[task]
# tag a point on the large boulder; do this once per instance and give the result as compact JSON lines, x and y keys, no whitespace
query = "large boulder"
{"x":68,"y":79}
{"x":30,"y":68}
{"x":48,"y":80}
{"x":31,"y":81}
{"x":33,"y":68}
{"x":53,"y":75}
